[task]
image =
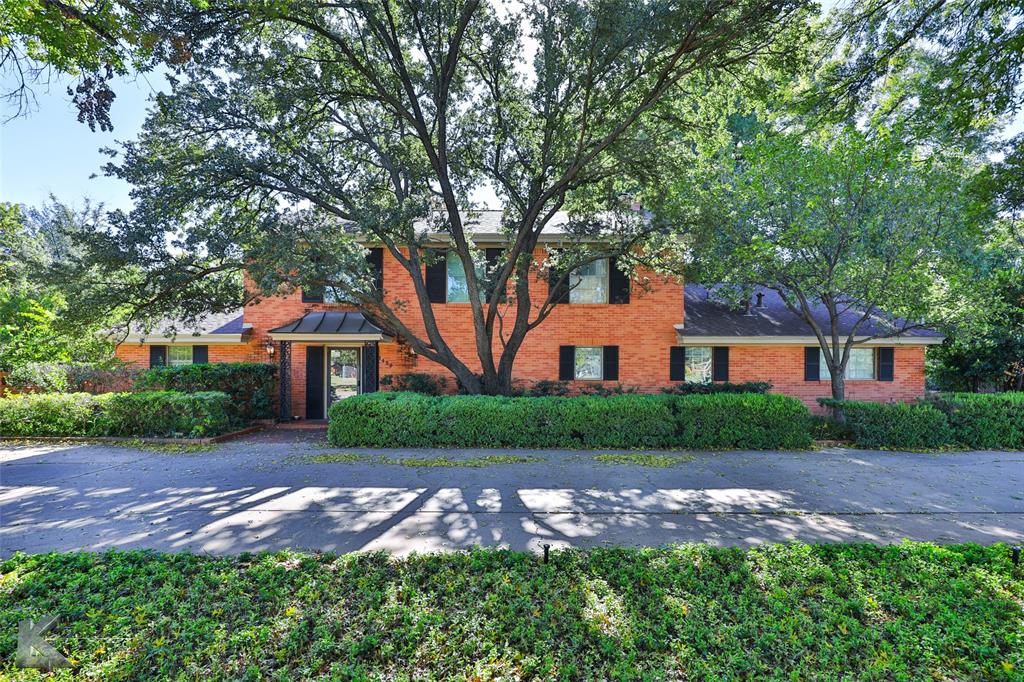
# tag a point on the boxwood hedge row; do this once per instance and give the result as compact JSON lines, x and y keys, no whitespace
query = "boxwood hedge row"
{"x":395,"y":419}
{"x":151,"y":413}
{"x":962,"y":420}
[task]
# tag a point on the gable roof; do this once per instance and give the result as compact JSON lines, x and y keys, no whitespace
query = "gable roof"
{"x":708,"y":318}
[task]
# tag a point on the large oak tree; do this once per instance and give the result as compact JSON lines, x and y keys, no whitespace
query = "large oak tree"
{"x":297,"y":127}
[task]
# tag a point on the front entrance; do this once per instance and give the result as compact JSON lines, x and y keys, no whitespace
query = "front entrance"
{"x":342,"y":374}
{"x":338,"y":372}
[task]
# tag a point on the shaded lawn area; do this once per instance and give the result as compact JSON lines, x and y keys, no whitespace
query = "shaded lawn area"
{"x":910,"y":611}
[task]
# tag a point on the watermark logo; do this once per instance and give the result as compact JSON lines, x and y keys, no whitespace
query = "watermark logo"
{"x":33,"y":651}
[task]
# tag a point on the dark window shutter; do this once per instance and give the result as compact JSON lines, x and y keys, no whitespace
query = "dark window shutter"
{"x":200,"y":355}
{"x":157,"y":356}
{"x":315,"y":382}
{"x":812,"y":363}
{"x":313,"y":295}
{"x":493,"y":256}
{"x":886,"y":363}
{"x":611,"y":363}
{"x":618,"y":283}
{"x":720,"y":363}
{"x":437,"y":276}
{"x":566,"y":363}
{"x":677,"y":363}
{"x":557,"y":291}
{"x":376,"y":260}
{"x":370,"y":382}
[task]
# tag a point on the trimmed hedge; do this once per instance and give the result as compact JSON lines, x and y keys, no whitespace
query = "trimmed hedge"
{"x":702,"y":388}
{"x":252,"y":386}
{"x":893,"y":425}
{"x":395,"y":419}
{"x":153,"y":413}
{"x":965,"y":420}
{"x":984,"y":420}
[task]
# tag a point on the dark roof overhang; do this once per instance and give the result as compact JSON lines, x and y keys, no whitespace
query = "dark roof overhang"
{"x":329,"y":326}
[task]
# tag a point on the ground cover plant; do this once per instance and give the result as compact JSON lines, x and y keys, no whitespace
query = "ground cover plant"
{"x":717,"y":421}
{"x":910,"y":611}
{"x":655,"y":461}
{"x":473,"y":462}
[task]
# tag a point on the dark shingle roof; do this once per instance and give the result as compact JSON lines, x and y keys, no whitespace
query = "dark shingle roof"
{"x":230,"y":322}
{"x":705,"y":315}
{"x":331,"y":322}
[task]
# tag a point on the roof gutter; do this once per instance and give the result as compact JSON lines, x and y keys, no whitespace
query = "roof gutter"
{"x":695,"y":340}
{"x":325,"y":338}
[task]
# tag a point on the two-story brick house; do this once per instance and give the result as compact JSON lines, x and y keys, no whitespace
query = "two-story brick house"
{"x":605,"y":329}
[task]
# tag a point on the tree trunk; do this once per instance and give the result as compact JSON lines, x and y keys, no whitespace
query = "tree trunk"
{"x":838,"y":393}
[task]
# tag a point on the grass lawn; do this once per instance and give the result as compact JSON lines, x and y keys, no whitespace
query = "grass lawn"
{"x":793,"y":612}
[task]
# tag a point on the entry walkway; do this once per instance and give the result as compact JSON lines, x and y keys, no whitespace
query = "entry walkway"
{"x":264,"y":493}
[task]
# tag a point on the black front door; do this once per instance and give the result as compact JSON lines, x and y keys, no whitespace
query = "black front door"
{"x":315,"y":382}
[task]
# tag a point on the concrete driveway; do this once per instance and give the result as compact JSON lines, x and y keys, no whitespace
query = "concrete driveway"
{"x":262,"y":493}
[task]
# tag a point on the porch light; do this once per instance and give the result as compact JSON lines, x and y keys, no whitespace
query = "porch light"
{"x":269,"y":347}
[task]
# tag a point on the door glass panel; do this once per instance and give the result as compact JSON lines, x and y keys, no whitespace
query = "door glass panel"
{"x":342,"y":373}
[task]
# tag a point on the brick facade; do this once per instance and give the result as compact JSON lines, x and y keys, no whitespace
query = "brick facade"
{"x":643,"y":329}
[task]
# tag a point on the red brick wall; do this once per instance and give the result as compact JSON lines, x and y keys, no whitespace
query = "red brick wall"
{"x":643,"y":330}
{"x":784,"y":367}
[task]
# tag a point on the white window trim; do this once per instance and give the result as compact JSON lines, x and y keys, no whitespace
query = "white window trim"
{"x":575,"y":356}
{"x":825,"y":375}
{"x":606,"y":288}
{"x":711,"y":361}
{"x":191,"y":356}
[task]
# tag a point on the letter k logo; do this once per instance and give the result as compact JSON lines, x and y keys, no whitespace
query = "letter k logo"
{"x":33,"y":652}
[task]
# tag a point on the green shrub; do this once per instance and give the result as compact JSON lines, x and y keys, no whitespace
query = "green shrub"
{"x":252,"y":386}
{"x":622,"y":421}
{"x":155,"y":413}
{"x":48,"y":414}
{"x":163,"y":414}
{"x":825,"y":427}
{"x":695,"y":388}
{"x":73,"y":377}
{"x":894,"y":425}
{"x":984,"y":420}
{"x":416,"y":382}
{"x":741,"y":420}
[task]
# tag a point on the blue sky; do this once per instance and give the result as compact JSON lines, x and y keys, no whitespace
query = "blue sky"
{"x":50,"y":151}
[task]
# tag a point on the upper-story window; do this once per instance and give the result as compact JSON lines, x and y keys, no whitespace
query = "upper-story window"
{"x":860,"y":366}
{"x":374,"y":256}
{"x":589,"y":283}
{"x":458,"y":289}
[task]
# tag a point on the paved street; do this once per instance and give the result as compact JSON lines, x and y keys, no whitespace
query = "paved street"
{"x":262,"y":493}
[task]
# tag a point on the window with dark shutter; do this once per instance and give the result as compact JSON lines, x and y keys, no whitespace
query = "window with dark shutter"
{"x":720,"y":363}
{"x":618,"y":283}
{"x":886,"y":363}
{"x":200,"y":355}
{"x":157,"y":356}
{"x":812,"y":363}
{"x":437,"y":276}
{"x":376,"y":260}
{"x":677,"y":363}
{"x":611,"y":363}
{"x":566,"y":363}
